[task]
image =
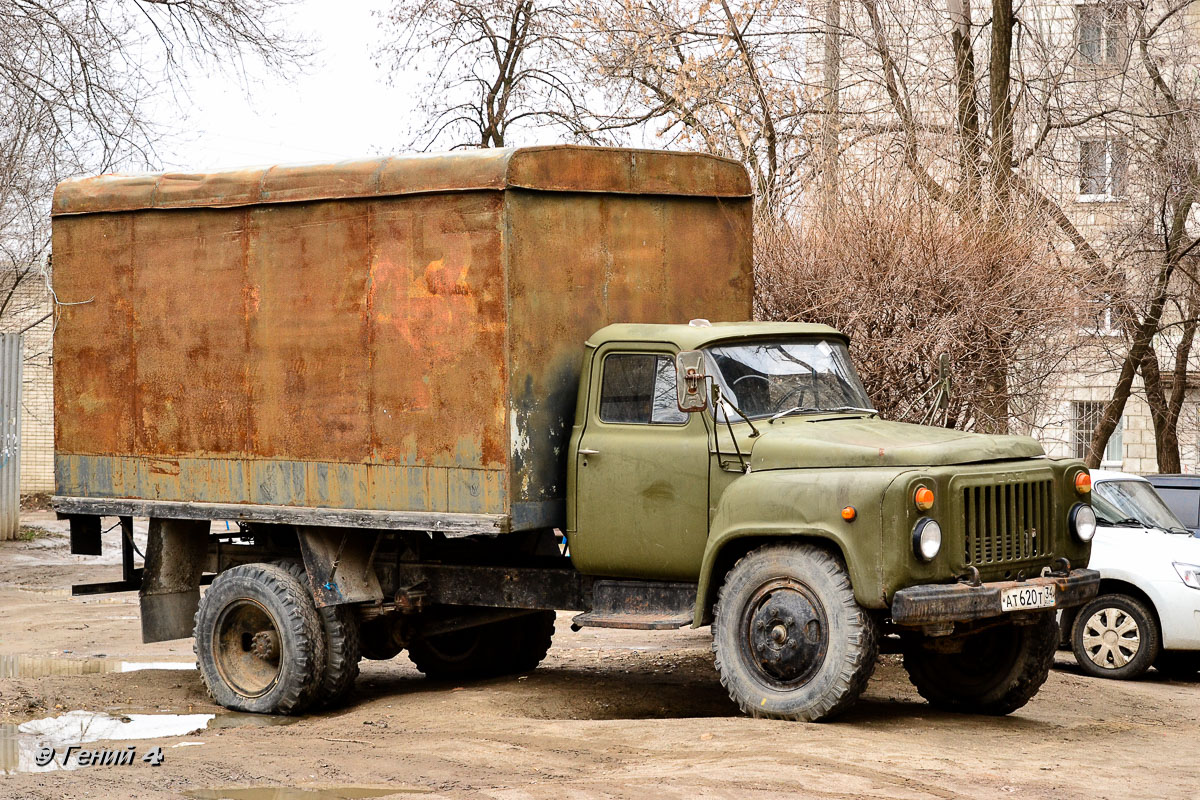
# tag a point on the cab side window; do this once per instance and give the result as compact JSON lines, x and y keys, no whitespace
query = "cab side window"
{"x":639,"y":388}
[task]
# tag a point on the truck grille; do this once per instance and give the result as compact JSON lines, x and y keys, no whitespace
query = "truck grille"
{"x":1007,"y":522}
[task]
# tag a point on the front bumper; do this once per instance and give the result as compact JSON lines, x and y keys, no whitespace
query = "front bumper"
{"x":959,"y":602}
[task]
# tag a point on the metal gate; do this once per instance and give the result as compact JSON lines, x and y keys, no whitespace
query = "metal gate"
{"x":10,"y":435}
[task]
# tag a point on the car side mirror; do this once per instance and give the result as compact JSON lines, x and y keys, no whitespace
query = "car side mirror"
{"x":690,"y":381}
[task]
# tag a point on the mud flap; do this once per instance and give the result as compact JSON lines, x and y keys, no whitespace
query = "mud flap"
{"x":340,"y":565}
{"x":175,"y":557}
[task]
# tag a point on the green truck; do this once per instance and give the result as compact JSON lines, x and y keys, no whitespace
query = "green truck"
{"x":444,"y":397}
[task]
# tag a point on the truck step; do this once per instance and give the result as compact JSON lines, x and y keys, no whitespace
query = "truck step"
{"x":639,"y":605}
{"x":641,"y":622}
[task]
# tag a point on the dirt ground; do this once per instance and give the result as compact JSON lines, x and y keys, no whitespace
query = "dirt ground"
{"x":608,"y":714}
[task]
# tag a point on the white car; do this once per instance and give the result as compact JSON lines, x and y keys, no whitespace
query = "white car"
{"x":1148,"y":609}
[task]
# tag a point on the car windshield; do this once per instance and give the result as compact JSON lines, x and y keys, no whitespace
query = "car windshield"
{"x":1132,"y":502}
{"x":779,"y":377}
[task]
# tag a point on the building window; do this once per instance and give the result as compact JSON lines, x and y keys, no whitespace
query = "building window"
{"x":1098,"y":318}
{"x":1085,"y":416}
{"x":1102,"y":168}
{"x":1100,"y":33}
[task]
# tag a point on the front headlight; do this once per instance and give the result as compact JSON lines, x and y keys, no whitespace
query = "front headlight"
{"x":927,"y":539}
{"x":1083,"y":521}
{"x":1189,"y":574}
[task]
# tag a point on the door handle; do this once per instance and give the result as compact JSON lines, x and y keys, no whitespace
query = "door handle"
{"x":583,"y":451}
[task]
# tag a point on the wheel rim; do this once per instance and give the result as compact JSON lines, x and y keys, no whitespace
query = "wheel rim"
{"x":1111,"y":638}
{"x":248,"y":648}
{"x":786,"y":632}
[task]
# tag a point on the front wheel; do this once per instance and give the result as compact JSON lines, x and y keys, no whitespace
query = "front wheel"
{"x":790,"y":640}
{"x":1115,"y":636}
{"x":994,"y":671}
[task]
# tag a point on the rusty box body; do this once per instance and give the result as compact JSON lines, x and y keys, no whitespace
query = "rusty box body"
{"x":392,"y":343}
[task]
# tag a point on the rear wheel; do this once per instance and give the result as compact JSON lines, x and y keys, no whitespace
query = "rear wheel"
{"x":1115,"y":636}
{"x":996,"y":671}
{"x":340,"y":627}
{"x":259,"y":642}
{"x":789,"y":638}
{"x":482,"y":651}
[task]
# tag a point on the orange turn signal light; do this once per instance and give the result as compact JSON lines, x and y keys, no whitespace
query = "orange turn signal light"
{"x":848,"y":513}
{"x":923,"y":498}
{"x":1083,"y":483}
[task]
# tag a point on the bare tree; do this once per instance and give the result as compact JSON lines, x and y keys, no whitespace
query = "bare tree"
{"x":727,"y":77}
{"x":490,"y":66}
{"x":924,"y":299}
{"x":77,"y":78}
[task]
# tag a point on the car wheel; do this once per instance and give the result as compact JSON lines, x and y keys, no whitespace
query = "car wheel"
{"x":1115,"y":636}
{"x":790,"y":640}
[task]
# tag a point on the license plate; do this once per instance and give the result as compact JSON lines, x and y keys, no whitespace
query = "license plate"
{"x":1026,"y":597}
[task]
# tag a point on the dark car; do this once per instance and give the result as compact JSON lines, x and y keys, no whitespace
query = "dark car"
{"x":1181,"y":493}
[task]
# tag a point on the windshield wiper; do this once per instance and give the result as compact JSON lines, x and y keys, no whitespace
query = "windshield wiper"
{"x":852,"y":408}
{"x":1126,"y":521}
{"x":814,"y":410}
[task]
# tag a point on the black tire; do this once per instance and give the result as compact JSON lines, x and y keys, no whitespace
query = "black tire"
{"x":997,"y":671}
{"x":789,"y":638}
{"x":259,"y":643}
{"x":340,"y":628}
{"x":532,"y":635}
{"x":1115,"y":636}
{"x":1179,"y":665}
{"x":485,"y":651}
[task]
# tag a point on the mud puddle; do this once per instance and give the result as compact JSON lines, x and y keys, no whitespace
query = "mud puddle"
{"x":41,"y":745}
{"x":294,"y":793}
{"x":46,"y":666}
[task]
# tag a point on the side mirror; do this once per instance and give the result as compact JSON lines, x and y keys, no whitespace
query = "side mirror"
{"x":690,"y":382}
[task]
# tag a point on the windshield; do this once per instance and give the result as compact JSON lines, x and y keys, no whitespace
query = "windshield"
{"x":770,"y":378}
{"x":1132,"y":502}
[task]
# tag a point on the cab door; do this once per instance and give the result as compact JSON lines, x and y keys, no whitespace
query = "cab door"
{"x":641,"y":467}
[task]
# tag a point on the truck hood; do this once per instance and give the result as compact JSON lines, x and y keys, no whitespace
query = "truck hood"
{"x":800,"y":442}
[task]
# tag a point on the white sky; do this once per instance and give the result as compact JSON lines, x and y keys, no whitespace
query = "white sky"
{"x":341,"y":108}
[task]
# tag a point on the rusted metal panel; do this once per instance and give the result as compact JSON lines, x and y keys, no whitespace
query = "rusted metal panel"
{"x":522,"y":586}
{"x":340,"y":566}
{"x":580,"y":262}
{"x":562,"y":168}
{"x":400,"y":335}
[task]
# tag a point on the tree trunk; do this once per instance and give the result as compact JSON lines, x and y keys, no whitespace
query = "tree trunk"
{"x":832,"y":121}
{"x":1164,"y":408}
{"x":999,"y":79}
{"x":1143,"y":335}
{"x":1166,"y":438}
{"x":970,"y":138}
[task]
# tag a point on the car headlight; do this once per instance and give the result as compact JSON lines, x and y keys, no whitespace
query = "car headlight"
{"x":1083,"y":521}
{"x":927,"y":539}
{"x":1189,"y":573}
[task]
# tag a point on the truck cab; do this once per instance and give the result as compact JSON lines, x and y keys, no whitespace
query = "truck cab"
{"x":781,"y":466}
